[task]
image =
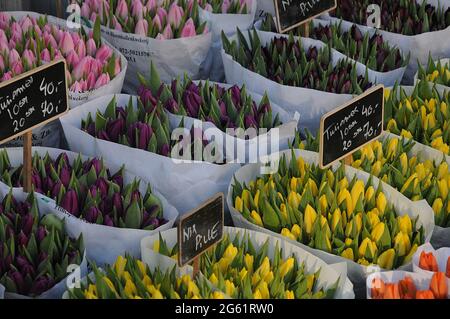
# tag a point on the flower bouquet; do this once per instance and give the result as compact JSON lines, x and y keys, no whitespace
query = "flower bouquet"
{"x":111,"y":207}
{"x":36,"y":248}
{"x":170,"y":33}
{"x":338,"y":213}
{"x":436,"y":72}
{"x":301,"y":74}
{"x":411,"y":25}
{"x":252,"y":265}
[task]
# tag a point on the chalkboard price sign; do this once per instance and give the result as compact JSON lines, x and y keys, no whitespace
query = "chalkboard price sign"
{"x":351,"y":126}
{"x":200,"y":229}
{"x":292,"y":13}
{"x":32,"y":99}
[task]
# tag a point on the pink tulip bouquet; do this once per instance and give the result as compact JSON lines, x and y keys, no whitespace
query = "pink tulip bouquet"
{"x":29,"y":42}
{"x":226,"y":6}
{"x":163,"y":20}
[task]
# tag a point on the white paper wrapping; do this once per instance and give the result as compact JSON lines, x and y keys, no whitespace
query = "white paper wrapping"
{"x":172,"y":58}
{"x":50,"y":135}
{"x":310,"y":103}
{"x":420,"y":45}
{"x":439,"y":86}
{"x":422,"y":281}
{"x":357,"y":273}
{"x":442,"y":256}
{"x":56,"y":291}
{"x":103,"y":243}
{"x":185,"y":185}
{"x":329,"y":274}
{"x":213,"y":66}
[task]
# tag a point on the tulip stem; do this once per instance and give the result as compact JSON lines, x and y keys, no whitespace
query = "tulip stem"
{"x":27,"y":161}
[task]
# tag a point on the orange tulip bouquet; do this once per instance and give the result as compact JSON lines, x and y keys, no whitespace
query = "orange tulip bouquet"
{"x":406,"y":285}
{"x":426,"y":260}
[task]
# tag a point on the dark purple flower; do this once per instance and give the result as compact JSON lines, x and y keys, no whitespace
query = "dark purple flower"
{"x":17,"y":278}
{"x":236,"y":95}
{"x":91,"y":129}
{"x":172,"y":106}
{"x":64,"y":176}
{"x":115,"y":129}
{"x":22,"y":239}
{"x":139,"y":135}
{"x":41,"y":285}
{"x":70,"y":202}
{"x":102,"y":186}
{"x":36,"y":179}
{"x":108,"y":221}
{"x":56,"y":189}
{"x":63,"y":159}
{"x":165,"y":150}
{"x":118,"y":203}
{"x":27,"y":223}
{"x":92,"y":214}
{"x":40,"y":233}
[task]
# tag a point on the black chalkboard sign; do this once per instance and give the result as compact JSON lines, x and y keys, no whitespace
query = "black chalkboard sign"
{"x":200,"y":229}
{"x":351,"y":126}
{"x":292,"y":13}
{"x":32,"y":99}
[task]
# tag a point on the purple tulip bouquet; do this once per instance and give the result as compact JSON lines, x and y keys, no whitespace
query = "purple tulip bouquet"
{"x":225,"y":108}
{"x":29,"y":42}
{"x":286,"y":61}
{"x":35,"y":251}
{"x":89,"y":190}
{"x":163,"y":20}
{"x":372,"y":51}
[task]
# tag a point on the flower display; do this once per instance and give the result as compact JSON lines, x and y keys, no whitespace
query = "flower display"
{"x":29,"y":42}
{"x":225,"y":108}
{"x":147,"y":128}
{"x":422,"y":115}
{"x":34,"y":251}
{"x":407,"y":289}
{"x":241,"y":271}
{"x":326,"y":211}
{"x":226,"y":6}
{"x":90,"y":191}
{"x":130,"y":278}
{"x":391,"y":161}
{"x":403,"y":17}
{"x":286,"y":61}
{"x":435,"y":72}
{"x":371,"y":51}
{"x":162,"y":20}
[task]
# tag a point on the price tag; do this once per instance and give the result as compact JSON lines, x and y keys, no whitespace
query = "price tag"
{"x":351,"y":126}
{"x":32,"y":100}
{"x":292,"y":13}
{"x":200,"y":229}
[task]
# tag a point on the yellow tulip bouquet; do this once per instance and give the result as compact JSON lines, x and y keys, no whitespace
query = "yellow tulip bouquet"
{"x":390,"y":159}
{"x":436,"y":72}
{"x":325,"y":210}
{"x":422,"y":115}
{"x":242,"y":270}
{"x":130,"y":278}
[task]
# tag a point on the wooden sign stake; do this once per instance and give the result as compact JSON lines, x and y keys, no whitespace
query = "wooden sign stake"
{"x":196,"y":266}
{"x":306,"y":30}
{"x":59,"y":11}
{"x":27,"y":162}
